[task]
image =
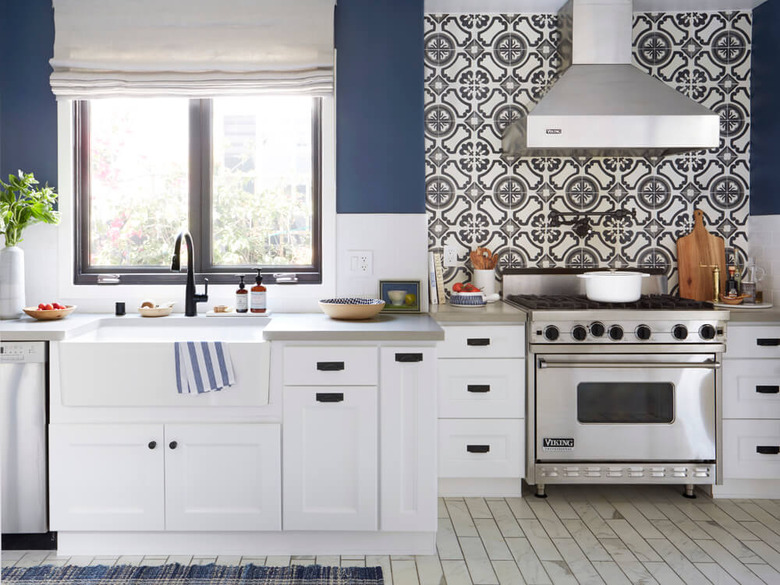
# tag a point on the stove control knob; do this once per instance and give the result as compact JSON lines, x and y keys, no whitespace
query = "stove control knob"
{"x":643,"y":332}
{"x":707,"y":332}
{"x":616,"y":333}
{"x":596,"y":329}
{"x":551,"y":333}
{"x":579,"y":333}
{"x":680,"y":332}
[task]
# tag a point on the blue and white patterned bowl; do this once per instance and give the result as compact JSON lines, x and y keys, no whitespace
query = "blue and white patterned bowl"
{"x":469,"y":299}
{"x":351,"y":307}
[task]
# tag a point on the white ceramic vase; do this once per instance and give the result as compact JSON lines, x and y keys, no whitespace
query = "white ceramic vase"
{"x":11,"y":282}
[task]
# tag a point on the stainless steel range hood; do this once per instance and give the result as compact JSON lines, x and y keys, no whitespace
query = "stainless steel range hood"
{"x":602,"y":104}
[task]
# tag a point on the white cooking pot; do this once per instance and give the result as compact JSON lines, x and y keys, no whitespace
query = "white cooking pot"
{"x":613,"y":286}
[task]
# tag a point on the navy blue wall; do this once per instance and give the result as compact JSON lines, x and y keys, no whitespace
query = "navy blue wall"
{"x":380,"y":144}
{"x":28,"y":111}
{"x":765,"y":110}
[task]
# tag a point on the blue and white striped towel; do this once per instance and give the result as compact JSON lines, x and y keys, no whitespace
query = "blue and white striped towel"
{"x":202,"y":366}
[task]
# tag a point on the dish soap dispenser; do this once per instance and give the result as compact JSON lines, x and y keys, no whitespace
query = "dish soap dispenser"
{"x":257,"y":295}
{"x":242,"y":297}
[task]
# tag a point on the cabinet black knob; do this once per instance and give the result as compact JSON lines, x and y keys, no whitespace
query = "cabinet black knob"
{"x":152,"y":444}
{"x":330,"y":366}
{"x":329,"y":397}
{"x":768,"y":389}
{"x":173,"y":444}
{"x":478,"y":448}
{"x":478,"y":341}
{"x":771,"y":342}
{"x":768,"y":449}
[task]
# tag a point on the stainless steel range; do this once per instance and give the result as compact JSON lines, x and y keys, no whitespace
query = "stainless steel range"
{"x":619,"y":392}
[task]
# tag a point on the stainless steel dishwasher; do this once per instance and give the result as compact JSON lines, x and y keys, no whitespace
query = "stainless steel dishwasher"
{"x":23,"y":437}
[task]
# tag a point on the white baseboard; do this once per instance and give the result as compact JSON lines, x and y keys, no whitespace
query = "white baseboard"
{"x":246,"y":543}
{"x":500,"y":487}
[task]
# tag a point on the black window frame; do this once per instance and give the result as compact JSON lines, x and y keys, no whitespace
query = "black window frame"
{"x":200,"y":199}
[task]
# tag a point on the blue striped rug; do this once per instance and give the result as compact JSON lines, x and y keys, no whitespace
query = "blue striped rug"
{"x":176,"y":574}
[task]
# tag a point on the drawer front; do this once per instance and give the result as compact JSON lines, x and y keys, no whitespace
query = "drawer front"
{"x":753,"y":341}
{"x":751,"y":388}
{"x":481,"y":388}
{"x":494,"y":341}
{"x":330,"y":366}
{"x":751,"y":449}
{"x":481,"y":448}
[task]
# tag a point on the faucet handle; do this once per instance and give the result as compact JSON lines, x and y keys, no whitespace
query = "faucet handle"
{"x":205,"y":296}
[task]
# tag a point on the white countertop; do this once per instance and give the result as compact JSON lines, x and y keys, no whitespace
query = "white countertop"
{"x":320,"y":327}
{"x":498,"y":312}
{"x":281,"y":326}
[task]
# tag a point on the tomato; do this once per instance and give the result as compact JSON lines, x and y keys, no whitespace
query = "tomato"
{"x":41,"y":306}
{"x":48,"y":307}
{"x":57,"y":306}
{"x":468,"y":287}
{"x":457,"y":287}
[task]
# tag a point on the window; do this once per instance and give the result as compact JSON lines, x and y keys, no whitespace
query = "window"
{"x":241,"y":174}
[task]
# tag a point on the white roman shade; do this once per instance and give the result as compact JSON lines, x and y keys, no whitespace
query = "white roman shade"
{"x":113,"y":48}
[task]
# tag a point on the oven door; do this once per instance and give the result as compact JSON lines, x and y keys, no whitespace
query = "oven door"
{"x":625,"y":407}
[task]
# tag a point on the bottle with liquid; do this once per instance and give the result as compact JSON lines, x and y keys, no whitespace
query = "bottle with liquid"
{"x":257,"y":295}
{"x":242,"y":297}
{"x":732,"y":288}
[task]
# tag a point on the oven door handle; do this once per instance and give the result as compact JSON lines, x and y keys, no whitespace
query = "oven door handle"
{"x":708,"y":365}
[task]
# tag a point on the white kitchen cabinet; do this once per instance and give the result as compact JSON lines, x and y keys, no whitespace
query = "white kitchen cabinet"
{"x":330,"y":455}
{"x":222,"y":477}
{"x":407,"y":406}
{"x":481,"y":401}
{"x":751,"y":413}
{"x":165,"y":477}
{"x":106,"y":477}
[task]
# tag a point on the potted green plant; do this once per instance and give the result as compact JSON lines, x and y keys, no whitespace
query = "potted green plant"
{"x":22,"y":204}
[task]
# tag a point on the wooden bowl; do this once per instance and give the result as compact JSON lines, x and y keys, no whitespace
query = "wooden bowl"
{"x":351,"y":308}
{"x":158,"y":311}
{"x":732,"y":300}
{"x":37,"y":313}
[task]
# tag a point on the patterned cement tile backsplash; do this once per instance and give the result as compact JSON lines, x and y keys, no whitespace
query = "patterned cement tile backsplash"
{"x":483,"y":71}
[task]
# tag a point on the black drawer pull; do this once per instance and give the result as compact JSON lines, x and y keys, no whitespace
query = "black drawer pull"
{"x":768,"y":341}
{"x":173,"y":444}
{"x":768,"y":389}
{"x":768,"y":449}
{"x":477,"y":448}
{"x":330,"y":397}
{"x":152,"y":444}
{"x":478,"y":388}
{"x":330,"y":366}
{"x":408,"y":357}
{"x":478,"y":341}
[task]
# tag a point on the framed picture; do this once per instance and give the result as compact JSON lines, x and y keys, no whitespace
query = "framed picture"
{"x":400,"y":296}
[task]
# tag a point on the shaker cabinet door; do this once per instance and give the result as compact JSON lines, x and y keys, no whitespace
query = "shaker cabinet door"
{"x":330,"y":454}
{"x":106,"y":477}
{"x":222,"y":477}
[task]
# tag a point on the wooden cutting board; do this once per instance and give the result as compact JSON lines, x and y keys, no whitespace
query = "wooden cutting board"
{"x":694,"y":250}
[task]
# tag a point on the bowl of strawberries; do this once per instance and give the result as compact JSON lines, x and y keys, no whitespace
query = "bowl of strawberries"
{"x":48,"y":311}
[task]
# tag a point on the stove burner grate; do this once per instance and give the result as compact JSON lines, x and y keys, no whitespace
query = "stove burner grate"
{"x":581,"y":302}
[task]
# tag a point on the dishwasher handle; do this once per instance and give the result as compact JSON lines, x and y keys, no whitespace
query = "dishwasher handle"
{"x":707,"y":365}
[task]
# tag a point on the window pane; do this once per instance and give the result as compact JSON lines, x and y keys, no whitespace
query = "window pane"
{"x":262,"y":181}
{"x":139,"y":159}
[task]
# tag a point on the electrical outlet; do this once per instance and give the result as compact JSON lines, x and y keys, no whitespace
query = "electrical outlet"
{"x":361,"y":262}
{"x":450,"y":256}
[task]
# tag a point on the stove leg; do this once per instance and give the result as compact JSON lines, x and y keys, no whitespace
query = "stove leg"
{"x":688,"y":493}
{"x":540,"y":491}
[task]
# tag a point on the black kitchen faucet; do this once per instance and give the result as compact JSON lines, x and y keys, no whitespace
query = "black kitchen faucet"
{"x":190,"y":297}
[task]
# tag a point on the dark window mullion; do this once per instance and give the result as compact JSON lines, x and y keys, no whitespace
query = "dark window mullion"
{"x":82,"y":186}
{"x":199,"y":181}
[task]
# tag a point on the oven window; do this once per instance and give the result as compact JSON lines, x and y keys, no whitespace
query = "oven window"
{"x":625,"y":402}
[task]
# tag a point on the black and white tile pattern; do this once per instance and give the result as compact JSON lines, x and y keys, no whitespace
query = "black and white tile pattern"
{"x":484,"y":71}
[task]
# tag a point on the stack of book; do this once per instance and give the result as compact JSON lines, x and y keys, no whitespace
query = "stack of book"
{"x":436,"y":278}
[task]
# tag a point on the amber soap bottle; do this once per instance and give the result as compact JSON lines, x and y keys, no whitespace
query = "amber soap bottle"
{"x":257,"y":295}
